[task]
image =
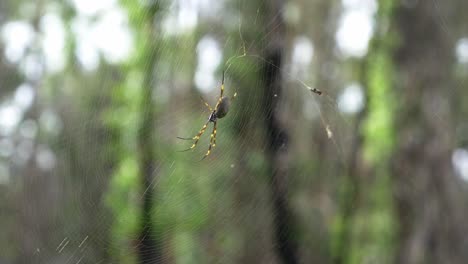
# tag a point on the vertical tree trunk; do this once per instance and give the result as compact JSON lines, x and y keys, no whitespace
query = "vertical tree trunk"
{"x":429,"y":208}
{"x":353,"y":184}
{"x":276,"y":134}
{"x":36,"y":200}
{"x":149,"y":248}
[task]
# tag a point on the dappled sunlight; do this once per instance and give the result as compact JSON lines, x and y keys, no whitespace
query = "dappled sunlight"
{"x":208,"y":58}
{"x":92,"y":8}
{"x":460,"y":163}
{"x":356,"y":27}
{"x":53,"y":42}
{"x":23,"y":36}
{"x":462,"y":50}
{"x":302,"y":54}
{"x":109,"y":35}
{"x":24,"y":96}
{"x":351,"y":99}
{"x":10,"y":116}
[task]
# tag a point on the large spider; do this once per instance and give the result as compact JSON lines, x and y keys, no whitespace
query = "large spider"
{"x":219,"y":111}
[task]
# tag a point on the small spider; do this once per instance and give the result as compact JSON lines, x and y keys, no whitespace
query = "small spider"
{"x":219,"y":111}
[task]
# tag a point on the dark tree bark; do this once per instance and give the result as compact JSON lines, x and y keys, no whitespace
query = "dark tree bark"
{"x":149,"y":247}
{"x":276,"y":134}
{"x":428,"y":203}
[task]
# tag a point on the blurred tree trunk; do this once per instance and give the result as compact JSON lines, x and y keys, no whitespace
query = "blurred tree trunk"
{"x":149,"y":248}
{"x":276,"y":134}
{"x":36,"y":201}
{"x":353,"y":184}
{"x":320,"y":21}
{"x":429,"y":207}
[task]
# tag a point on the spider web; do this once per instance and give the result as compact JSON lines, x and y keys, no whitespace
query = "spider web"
{"x":73,"y":187}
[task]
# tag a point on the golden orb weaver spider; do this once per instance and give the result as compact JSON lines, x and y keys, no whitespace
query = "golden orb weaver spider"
{"x":220,"y":110}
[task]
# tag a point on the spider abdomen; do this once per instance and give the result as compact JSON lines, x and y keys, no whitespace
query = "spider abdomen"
{"x":223,"y":107}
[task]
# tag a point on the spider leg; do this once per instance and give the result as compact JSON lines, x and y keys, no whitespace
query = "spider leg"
{"x":197,"y":137}
{"x":184,"y":150}
{"x":222,"y":93}
{"x":185,"y":138}
{"x":222,"y":86}
{"x":212,"y":141}
{"x":214,"y":134}
{"x":207,"y":105}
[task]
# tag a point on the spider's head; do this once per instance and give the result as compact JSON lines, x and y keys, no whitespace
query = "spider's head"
{"x":223,"y":108}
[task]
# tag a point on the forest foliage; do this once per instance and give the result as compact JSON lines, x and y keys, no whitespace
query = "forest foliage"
{"x":372,"y":168}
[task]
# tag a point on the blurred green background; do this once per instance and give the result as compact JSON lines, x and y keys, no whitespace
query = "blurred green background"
{"x":372,"y":167}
